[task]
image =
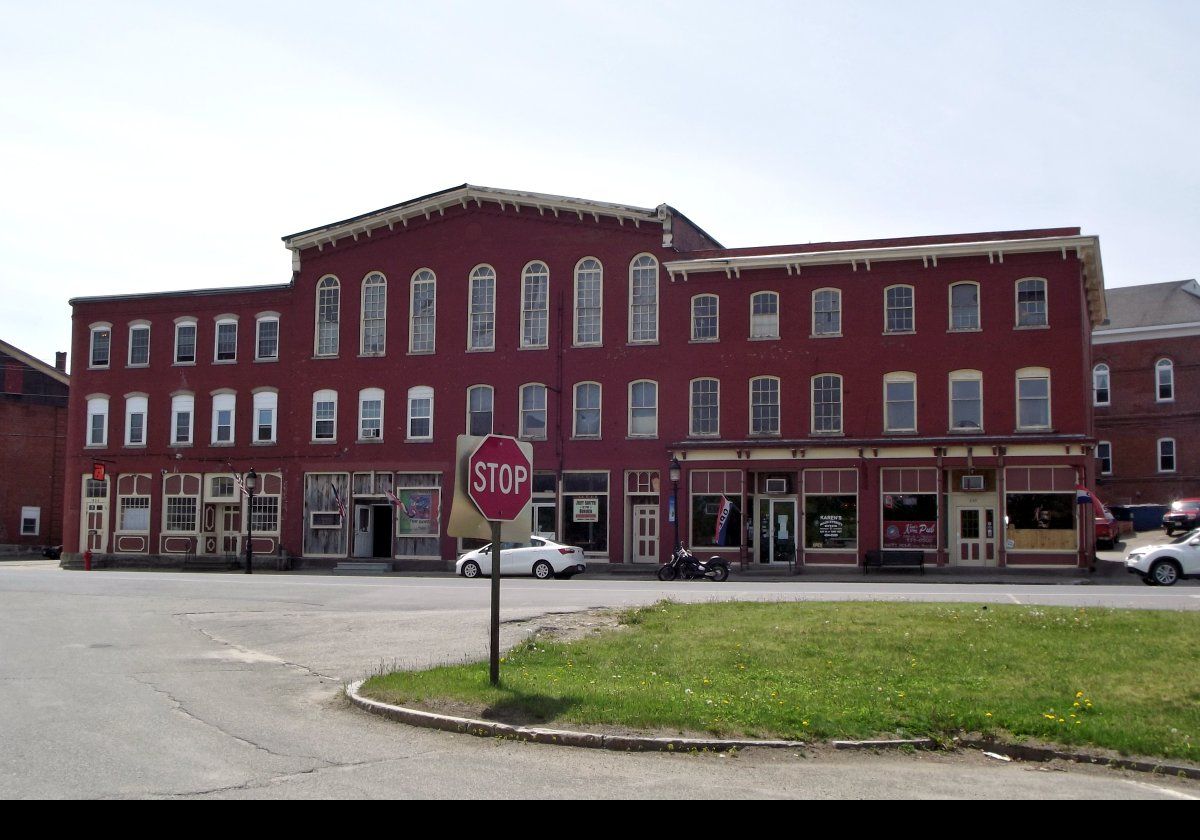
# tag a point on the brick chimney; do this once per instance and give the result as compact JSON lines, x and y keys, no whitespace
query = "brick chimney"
{"x":60,"y":361}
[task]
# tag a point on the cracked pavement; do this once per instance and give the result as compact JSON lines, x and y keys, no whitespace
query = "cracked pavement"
{"x":153,"y":685}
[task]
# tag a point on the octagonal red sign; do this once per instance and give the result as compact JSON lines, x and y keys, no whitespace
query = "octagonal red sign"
{"x":499,"y":478}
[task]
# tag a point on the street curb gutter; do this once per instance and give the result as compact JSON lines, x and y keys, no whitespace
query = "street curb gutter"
{"x":592,"y":740}
{"x":634,"y":743}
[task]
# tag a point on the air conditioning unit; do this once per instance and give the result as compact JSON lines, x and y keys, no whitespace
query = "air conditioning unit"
{"x":972,"y":482}
{"x":776,"y":485}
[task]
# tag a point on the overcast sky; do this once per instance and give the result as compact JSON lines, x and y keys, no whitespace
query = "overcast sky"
{"x":153,"y":146}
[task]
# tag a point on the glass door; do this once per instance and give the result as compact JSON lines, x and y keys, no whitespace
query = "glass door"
{"x":783,"y":530}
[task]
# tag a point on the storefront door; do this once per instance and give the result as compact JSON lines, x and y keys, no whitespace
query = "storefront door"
{"x":363,"y":539}
{"x":645,"y":533}
{"x":976,"y":536}
{"x":230,"y":519}
{"x":777,"y":531}
{"x":543,"y":520}
{"x":96,"y":525}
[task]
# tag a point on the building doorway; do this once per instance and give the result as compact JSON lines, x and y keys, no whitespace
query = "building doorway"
{"x":545,"y":520}
{"x":373,"y":524}
{"x":645,"y":534}
{"x":976,"y":536}
{"x":776,"y":530}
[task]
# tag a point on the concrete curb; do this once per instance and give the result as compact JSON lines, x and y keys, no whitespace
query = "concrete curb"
{"x":635,"y":743}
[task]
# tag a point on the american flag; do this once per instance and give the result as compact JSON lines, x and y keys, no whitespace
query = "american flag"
{"x":337,"y":499}
{"x":392,"y":497}
{"x":241,"y":485}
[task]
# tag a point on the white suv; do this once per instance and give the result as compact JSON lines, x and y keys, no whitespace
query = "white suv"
{"x":1165,"y":563}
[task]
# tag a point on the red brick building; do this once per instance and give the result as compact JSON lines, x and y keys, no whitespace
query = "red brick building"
{"x":1146,"y":393}
{"x":824,"y":400}
{"x":33,"y":420}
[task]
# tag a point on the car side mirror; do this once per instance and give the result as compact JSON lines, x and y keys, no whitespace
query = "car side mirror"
{"x":1194,"y":542}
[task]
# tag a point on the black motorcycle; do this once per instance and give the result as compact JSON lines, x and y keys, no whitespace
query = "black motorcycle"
{"x":683,"y":564}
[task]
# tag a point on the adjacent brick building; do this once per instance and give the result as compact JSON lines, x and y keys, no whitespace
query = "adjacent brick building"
{"x":33,"y":426}
{"x":1146,"y":393}
{"x":929,"y":393}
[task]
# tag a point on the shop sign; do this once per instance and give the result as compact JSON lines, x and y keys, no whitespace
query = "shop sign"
{"x":587,"y":510}
{"x":910,"y":535}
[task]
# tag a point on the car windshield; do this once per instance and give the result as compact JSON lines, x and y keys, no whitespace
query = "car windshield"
{"x":1190,"y":535}
{"x":1188,"y":506}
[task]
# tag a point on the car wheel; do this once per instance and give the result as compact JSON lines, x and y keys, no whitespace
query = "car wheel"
{"x":543,"y":570}
{"x":1165,"y":573}
{"x":1169,"y":532}
{"x":471,"y":569}
{"x":1148,"y":580}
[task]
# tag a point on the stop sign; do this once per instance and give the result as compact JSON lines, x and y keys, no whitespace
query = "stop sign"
{"x":499,"y":478}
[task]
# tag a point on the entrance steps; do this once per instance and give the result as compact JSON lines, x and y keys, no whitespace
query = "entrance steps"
{"x":206,"y":563}
{"x":362,"y":568}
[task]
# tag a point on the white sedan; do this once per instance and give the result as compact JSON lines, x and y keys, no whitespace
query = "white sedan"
{"x":1165,"y":563}
{"x":539,"y":557}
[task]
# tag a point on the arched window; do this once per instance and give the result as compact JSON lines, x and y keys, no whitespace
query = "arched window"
{"x":704,"y":318}
{"x":374,"y":315}
{"x":266,"y":339}
{"x":329,"y":308}
{"x":589,"y":302}
{"x":422,"y":308}
{"x":1031,"y":302}
{"x":185,"y":340}
{"x":139,"y":343}
{"x":533,"y":411}
{"x":900,"y":402}
{"x":827,"y":404}
{"x":97,"y":420}
{"x":370,"y":414}
{"x":225,"y":347}
{"x":224,"y":404}
{"x":587,"y":410}
{"x":764,"y":405}
{"x":136,"y":408}
{"x":1100,"y":385}
{"x":643,"y":408}
{"x":705,"y":408}
{"x":266,"y":406}
{"x":183,"y":413}
{"x":101,"y":345}
{"x":827,"y":312}
{"x":1164,"y":378}
{"x":764,"y":315}
{"x":643,"y":299}
{"x":482,"y":332}
{"x":535,"y":305}
{"x":479,"y":410}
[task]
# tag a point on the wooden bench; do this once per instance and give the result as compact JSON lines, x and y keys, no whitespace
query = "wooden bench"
{"x":894,"y":559}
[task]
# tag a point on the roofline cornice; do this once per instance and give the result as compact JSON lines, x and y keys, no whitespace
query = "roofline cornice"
{"x":1150,"y":333}
{"x":231,"y":290}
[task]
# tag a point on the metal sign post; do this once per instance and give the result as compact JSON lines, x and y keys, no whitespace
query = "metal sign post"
{"x":494,"y":642}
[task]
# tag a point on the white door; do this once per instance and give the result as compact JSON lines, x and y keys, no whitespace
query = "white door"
{"x":230,"y":519}
{"x":363,"y":538}
{"x":96,"y":525}
{"x":976,"y":536}
{"x":645,"y":533}
{"x":543,"y":520}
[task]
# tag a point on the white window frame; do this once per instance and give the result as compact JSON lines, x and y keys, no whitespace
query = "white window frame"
{"x":481,"y":314}
{"x":1101,"y":372}
{"x":632,"y":408}
{"x":1174,"y":455}
{"x":841,"y":404}
{"x":643,"y":263}
{"x":817,"y":330}
{"x":1105,"y":447}
{"x":137,"y":326}
{"x":1167,"y":366}
{"x":978,"y":325}
{"x":428,"y":322}
{"x":899,"y":377}
{"x":181,"y":324}
{"x":96,"y":330}
{"x":581,"y":268}
{"x":1034,"y":374}
{"x":1045,"y":310}
{"x":373,"y":280}
{"x":771,"y":319}
{"x":777,"y":405}
{"x":183,"y":403}
{"x":491,"y":412}
{"x":417,"y":394}
{"x":965,"y":375}
{"x":224,"y":400}
{"x":692,"y":431}
{"x":97,"y":406}
{"x":265,"y":399}
{"x":716,"y":318}
{"x":136,"y":403}
{"x":888,"y":308}
{"x":524,"y":412}
{"x":328,"y":311}
{"x":535,"y":272}
{"x":324,"y":397}
{"x":34,"y":513}
{"x":224,"y":321}
{"x":370,"y":395}
{"x":259,"y":320}
{"x":598,"y":408}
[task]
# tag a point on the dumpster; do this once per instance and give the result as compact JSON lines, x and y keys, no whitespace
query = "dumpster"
{"x":1147,"y":517}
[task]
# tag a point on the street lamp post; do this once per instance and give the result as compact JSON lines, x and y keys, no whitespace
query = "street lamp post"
{"x":676,"y":471}
{"x":251,"y":486}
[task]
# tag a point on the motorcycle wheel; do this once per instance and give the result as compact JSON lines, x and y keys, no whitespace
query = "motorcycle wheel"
{"x":666,"y":573}
{"x":718,"y":572}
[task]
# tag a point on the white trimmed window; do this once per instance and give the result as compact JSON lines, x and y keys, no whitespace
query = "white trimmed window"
{"x":589,"y":303}
{"x":329,"y":316}
{"x":899,"y":315}
{"x":224,"y":407}
{"x":964,"y":306}
{"x":1101,"y":382}
{"x":764,"y":315}
{"x":266,"y":339}
{"x":1033,"y":398}
{"x":370,"y":414}
{"x":225,"y":348}
{"x":643,"y":408}
{"x":185,"y":341}
{"x":324,"y":415}
{"x":1164,"y":381}
{"x":827,"y":312}
{"x":97,"y":420}
{"x":535,"y":305}
{"x":136,"y":411}
{"x":764,"y":405}
{"x":183,"y":413}
{"x":480,"y":402}
{"x":1104,"y":457}
{"x":1031,"y":303}
{"x":101,"y":346}
{"x":1166,"y":455}
{"x":705,"y":318}
{"x":266,"y":406}
{"x":966,"y":401}
{"x":643,"y":299}
{"x":533,"y":411}
{"x":705,"y":408}
{"x":420,"y":413}
{"x":422,"y":308}
{"x":481,"y":334}
{"x":900,"y":402}
{"x":373,"y":326}
{"x":139,"y":344}
{"x":31,"y":521}
{"x":587,"y":410}
{"x":827,"y":404}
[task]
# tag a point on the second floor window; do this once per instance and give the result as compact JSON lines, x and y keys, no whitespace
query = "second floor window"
{"x":533,"y":411}
{"x":589,"y":286}
{"x":1031,"y":303}
{"x":900,"y":402}
{"x":705,"y":407}
{"x":420,"y":413}
{"x":764,"y":406}
{"x":827,"y":312}
{"x":483,"y":309}
{"x":183,"y":409}
{"x":643,"y":299}
{"x":1164,"y":381}
{"x":374,"y":315}
{"x":324,"y":417}
{"x":966,"y":401}
{"x":1166,"y":455}
{"x":1033,"y":399}
{"x":329,"y":309}
{"x":97,"y":414}
{"x":479,"y":410}
{"x":643,"y":409}
{"x":135,"y":420}
{"x":898,"y":309}
{"x":370,"y":414}
{"x":265,"y":405}
{"x":223,"y":406}
{"x":964,"y":306}
{"x":535,"y":305}
{"x":1104,"y":457}
{"x":704,"y":318}
{"x":764,"y":315}
{"x":587,"y":410}
{"x":1100,"y":385}
{"x":827,"y":404}
{"x":422,"y":312}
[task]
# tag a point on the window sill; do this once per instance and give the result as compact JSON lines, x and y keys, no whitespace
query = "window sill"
{"x":646,"y":343}
{"x":179,"y":444}
{"x":224,"y":361}
{"x":95,"y":446}
{"x":370,"y":440}
{"x":704,"y":340}
{"x":838,"y":433}
{"x":531,"y":439}
{"x":183,"y":364}
{"x":135,"y":446}
{"x":899,"y":332}
{"x":900,"y":432}
{"x":705,"y":435}
{"x":481,"y":349}
{"x":1032,"y":327}
{"x":316,"y":358}
{"x":418,"y":440}
{"x":586,"y":346}
{"x":98,"y":367}
{"x":585,"y":437}
{"x":267,"y":359}
{"x":372,"y":355}
{"x":222,"y":443}
{"x":764,"y":338}
{"x":324,"y":441}
{"x":263,"y":443}
{"x":1034,"y":430}
{"x":641,"y":437}
{"x":421,"y":352}
{"x":534,"y":347}
{"x":965,"y":330}
{"x":978,"y":431}
{"x":134,"y":366}
{"x":825,"y":335}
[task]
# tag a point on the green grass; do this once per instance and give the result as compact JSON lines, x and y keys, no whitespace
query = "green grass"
{"x":1126,"y":680}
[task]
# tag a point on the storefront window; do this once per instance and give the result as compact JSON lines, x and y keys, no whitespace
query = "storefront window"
{"x":585,"y":511}
{"x":1040,"y":521}
{"x":716,"y":522}
{"x":831,"y":522}
{"x":910,"y":521}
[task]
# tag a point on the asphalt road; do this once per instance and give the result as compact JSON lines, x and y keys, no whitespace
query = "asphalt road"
{"x":141,"y":684}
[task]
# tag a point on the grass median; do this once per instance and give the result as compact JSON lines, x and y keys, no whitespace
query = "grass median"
{"x":1125,"y":680}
